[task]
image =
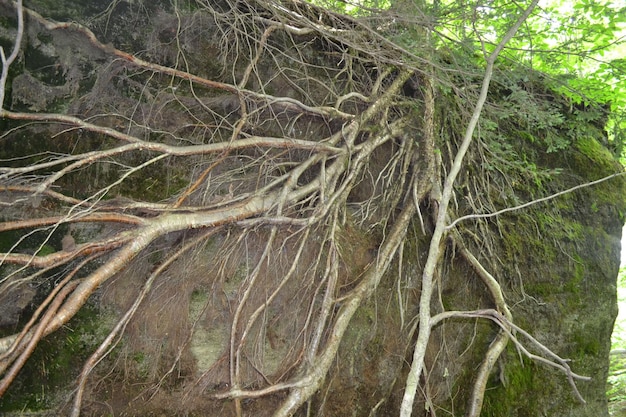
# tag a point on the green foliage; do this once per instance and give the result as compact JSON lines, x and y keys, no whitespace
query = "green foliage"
{"x":578,"y":46}
{"x":353,"y":8}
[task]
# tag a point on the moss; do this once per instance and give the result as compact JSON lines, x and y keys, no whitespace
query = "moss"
{"x":56,"y":361}
{"x":525,"y":235}
{"x":595,"y":158}
{"x":69,"y":11}
{"x":41,"y":241}
{"x":573,"y":286}
{"x":46,"y":250}
{"x":585,"y":344}
{"x":542,"y":290}
{"x":43,"y":67}
{"x":506,"y":394}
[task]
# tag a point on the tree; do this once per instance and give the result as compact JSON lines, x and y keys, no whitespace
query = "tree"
{"x":247,"y":191}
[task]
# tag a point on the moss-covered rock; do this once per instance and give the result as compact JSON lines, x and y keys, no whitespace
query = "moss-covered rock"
{"x":556,"y":261}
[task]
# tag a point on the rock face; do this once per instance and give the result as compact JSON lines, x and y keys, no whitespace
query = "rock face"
{"x":556,"y":261}
{"x":13,"y":303}
{"x":561,"y":262}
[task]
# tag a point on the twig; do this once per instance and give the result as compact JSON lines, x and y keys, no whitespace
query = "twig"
{"x":530,"y":203}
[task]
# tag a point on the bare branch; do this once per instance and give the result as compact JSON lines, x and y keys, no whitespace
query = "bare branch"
{"x":530,"y":203}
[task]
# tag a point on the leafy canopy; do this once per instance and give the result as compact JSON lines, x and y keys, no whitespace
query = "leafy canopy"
{"x":580,"y":45}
